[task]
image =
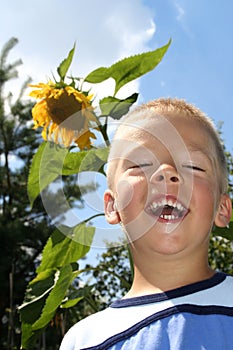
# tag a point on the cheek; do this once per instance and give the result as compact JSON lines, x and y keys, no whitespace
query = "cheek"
{"x":124,"y":194}
{"x":130,"y":193}
{"x":207,"y":196}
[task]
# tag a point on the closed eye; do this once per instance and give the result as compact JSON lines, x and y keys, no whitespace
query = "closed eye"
{"x":194,"y":167}
{"x":142,"y":165}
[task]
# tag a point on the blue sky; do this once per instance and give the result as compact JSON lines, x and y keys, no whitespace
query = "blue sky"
{"x":197,"y":67}
{"x":199,"y":64}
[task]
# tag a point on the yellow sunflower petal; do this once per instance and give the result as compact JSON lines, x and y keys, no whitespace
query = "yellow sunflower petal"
{"x":52,"y":127}
{"x":56,"y":134}
{"x":40,"y":114}
{"x":84,"y":140}
{"x":67,"y":136}
{"x":44,"y":133}
{"x":43,"y":90}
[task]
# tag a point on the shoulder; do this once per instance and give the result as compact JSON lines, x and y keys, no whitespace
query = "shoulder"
{"x":224,"y":291}
{"x":217,"y":291}
{"x":78,"y":335}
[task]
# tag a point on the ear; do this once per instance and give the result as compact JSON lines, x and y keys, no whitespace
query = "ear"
{"x":223,"y":215}
{"x":111,"y":213}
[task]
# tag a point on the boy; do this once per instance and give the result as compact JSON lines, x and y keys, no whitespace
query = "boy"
{"x":167,"y":183}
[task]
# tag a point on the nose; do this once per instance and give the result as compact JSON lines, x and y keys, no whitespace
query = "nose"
{"x":166,"y":173}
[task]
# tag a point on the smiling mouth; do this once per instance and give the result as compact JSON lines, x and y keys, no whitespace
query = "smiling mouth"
{"x":167,"y":210}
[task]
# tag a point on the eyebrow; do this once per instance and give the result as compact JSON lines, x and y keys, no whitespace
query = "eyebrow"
{"x":139,"y":150}
{"x":194,"y":147}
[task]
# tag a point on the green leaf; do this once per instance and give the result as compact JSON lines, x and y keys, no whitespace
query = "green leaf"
{"x":36,"y":294}
{"x":38,"y":312}
{"x":35,"y":298}
{"x":77,"y":295}
{"x":52,"y":161}
{"x":29,"y":336}
{"x":45,"y":168}
{"x":92,"y":160}
{"x":71,"y":303}
{"x":66,"y":245}
{"x":57,"y":294}
{"x":46,"y":292}
{"x":65,"y":64}
{"x":129,"y":68}
{"x":116,"y":108}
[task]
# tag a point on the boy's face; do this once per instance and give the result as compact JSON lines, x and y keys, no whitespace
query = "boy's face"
{"x":165,"y":189}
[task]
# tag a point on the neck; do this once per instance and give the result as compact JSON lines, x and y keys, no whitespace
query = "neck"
{"x":160,"y":276}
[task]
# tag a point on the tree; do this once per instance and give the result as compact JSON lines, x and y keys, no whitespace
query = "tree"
{"x":23,"y":230}
{"x":113,"y":275}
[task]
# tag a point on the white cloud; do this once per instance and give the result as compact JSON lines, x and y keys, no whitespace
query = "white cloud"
{"x":180,"y":11}
{"x":104,"y":32}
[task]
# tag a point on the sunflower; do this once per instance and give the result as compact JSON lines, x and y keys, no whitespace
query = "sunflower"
{"x":65,"y":114}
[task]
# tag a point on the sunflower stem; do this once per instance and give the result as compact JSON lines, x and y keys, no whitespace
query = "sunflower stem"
{"x":103,"y":130}
{"x":92,"y":217}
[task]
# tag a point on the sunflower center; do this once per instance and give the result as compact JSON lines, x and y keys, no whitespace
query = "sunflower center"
{"x":67,"y":110}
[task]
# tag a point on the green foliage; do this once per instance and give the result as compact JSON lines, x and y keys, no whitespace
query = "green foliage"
{"x":64,"y":247}
{"x":65,"y":64}
{"x":113,"y":275}
{"x":116,"y":107}
{"x":52,"y":161}
{"x":220,"y":254}
{"x":46,"y":292}
{"x":225,"y":232}
{"x":8,"y":71}
{"x":39,"y":176}
{"x":22,"y":233}
{"x":129,"y":68}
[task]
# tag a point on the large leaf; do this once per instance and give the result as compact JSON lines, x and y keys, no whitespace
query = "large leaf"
{"x":46,"y":292}
{"x":57,"y":294}
{"x":92,"y":160}
{"x":35,"y":298}
{"x":129,"y":68}
{"x":45,"y":168}
{"x":65,"y":64}
{"x":52,"y":161}
{"x":62,"y":249}
{"x":38,"y":312}
{"x":36,"y":294}
{"x":116,"y":108}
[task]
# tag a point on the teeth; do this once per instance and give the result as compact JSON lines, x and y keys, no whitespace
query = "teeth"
{"x":179,"y":206}
{"x":169,"y":202}
{"x":168,"y":217}
{"x":164,"y":202}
